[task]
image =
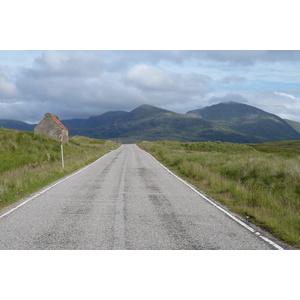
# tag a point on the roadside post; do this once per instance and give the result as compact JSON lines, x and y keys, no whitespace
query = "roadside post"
{"x":62,"y":151}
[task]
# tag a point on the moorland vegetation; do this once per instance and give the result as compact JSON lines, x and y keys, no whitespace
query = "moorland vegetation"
{"x":29,"y":162}
{"x":261,"y":181}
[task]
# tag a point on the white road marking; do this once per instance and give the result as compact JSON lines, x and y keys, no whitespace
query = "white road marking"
{"x":219,"y":207}
{"x":50,"y":187}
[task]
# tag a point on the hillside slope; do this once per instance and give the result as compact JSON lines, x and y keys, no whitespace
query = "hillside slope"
{"x":254,"y":122}
{"x":225,"y":122}
{"x":152,"y":123}
{"x":16,"y":125}
{"x":295,"y":125}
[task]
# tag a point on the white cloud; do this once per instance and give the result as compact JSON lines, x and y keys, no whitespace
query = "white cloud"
{"x":232,"y":80}
{"x":228,"y":97}
{"x":235,"y":58}
{"x":155,"y":79}
{"x":67,"y":63}
{"x":286,"y":95}
{"x":149,"y":77}
{"x":8,"y":87}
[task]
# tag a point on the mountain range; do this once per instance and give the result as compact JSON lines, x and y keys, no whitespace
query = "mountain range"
{"x":226,"y":122}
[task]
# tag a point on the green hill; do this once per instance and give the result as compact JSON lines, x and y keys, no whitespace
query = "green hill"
{"x":17,"y":125}
{"x":295,"y":125}
{"x":225,"y":122}
{"x":231,"y":122}
{"x":152,"y":123}
{"x":251,"y":121}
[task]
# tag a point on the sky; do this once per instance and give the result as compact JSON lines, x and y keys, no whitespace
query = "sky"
{"x":84,"y":83}
{"x":117,"y":55}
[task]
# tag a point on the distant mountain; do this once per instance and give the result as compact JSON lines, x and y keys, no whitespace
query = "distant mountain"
{"x":249,"y":120}
{"x":17,"y":125}
{"x":80,"y":126}
{"x":226,"y":122}
{"x":152,"y":123}
{"x":295,"y":125}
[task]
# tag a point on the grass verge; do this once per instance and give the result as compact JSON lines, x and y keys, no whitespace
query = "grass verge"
{"x":259,"y":182}
{"x":29,"y":162}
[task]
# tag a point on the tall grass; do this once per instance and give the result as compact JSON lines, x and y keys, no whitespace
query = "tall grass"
{"x":29,"y":162}
{"x":259,"y":184}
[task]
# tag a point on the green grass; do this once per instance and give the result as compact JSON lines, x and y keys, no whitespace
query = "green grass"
{"x":29,"y":162}
{"x":281,"y":147}
{"x":258,"y":181}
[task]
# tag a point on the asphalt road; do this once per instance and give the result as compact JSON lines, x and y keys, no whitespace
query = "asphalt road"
{"x":126,"y":200}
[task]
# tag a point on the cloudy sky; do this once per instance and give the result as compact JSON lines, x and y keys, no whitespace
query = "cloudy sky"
{"x":79,"y":84}
{"x":84,"y":83}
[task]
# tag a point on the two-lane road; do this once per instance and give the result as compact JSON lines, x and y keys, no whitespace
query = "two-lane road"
{"x":126,"y":200}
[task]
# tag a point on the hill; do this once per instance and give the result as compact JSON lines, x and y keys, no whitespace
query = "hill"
{"x":151,"y":123}
{"x":17,"y":125}
{"x":295,"y":125}
{"x":225,"y":122}
{"x":253,"y":122}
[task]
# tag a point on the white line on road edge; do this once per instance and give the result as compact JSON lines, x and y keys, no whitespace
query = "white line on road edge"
{"x":52,"y":186}
{"x":220,"y":208}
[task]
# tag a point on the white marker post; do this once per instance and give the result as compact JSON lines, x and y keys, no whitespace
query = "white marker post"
{"x":62,"y":151}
